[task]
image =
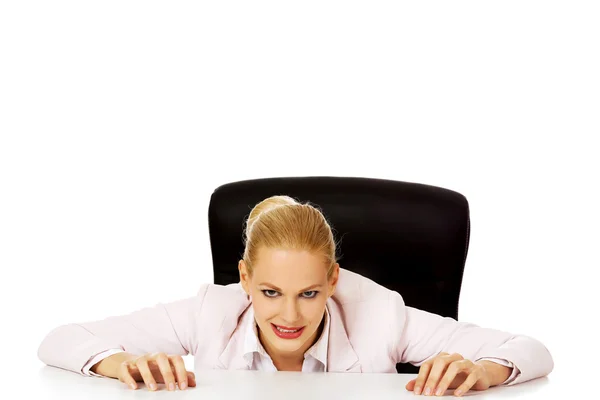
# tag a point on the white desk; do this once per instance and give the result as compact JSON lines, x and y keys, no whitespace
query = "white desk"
{"x":54,"y":383}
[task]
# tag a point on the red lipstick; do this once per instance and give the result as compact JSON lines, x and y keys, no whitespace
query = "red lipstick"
{"x":286,"y":332}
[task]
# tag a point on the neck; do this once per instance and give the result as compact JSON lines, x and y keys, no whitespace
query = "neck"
{"x":291,"y":361}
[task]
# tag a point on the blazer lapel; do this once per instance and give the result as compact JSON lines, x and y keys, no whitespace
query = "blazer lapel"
{"x":341,"y":356}
{"x":232,"y":356}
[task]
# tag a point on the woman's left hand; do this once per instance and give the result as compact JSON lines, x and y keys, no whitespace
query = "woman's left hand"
{"x":450,"y":371}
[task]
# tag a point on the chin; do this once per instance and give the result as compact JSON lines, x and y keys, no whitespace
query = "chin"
{"x":290,"y":348}
{"x":286,"y":346}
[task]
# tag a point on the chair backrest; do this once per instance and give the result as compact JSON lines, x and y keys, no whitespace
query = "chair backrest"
{"x":409,"y":237}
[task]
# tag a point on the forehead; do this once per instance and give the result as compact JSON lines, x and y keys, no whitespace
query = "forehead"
{"x":289,"y":268}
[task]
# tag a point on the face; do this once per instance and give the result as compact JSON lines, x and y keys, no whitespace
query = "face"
{"x":289,"y":290}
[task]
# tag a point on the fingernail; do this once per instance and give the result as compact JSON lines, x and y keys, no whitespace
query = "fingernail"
{"x":427,"y":391}
{"x":152,"y":386}
{"x":439,"y":392}
{"x":459,"y":392}
{"x":132,"y":386}
{"x":417,"y":389}
{"x":171,"y":386}
{"x":182,"y":385}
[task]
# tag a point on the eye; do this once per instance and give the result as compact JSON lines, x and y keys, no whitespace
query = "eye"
{"x":310,"y":294}
{"x":269,"y":293}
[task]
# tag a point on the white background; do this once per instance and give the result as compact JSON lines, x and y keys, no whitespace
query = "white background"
{"x":119,"y":118}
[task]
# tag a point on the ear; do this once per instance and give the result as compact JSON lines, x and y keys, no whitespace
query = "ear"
{"x":333,"y":280}
{"x":244,"y":279}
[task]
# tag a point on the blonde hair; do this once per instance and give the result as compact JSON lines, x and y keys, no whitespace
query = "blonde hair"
{"x":282,"y":222}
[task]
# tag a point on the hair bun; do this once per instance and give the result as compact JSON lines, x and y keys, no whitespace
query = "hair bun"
{"x":266,"y":205}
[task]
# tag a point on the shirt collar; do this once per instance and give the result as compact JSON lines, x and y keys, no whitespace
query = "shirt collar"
{"x":317,"y":351}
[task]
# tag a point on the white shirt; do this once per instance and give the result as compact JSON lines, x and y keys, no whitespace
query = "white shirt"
{"x":315,"y":358}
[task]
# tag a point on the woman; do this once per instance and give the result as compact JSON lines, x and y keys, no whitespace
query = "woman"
{"x":294,"y":309}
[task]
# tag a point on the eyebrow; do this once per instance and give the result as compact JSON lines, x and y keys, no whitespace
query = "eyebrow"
{"x":279,"y":290}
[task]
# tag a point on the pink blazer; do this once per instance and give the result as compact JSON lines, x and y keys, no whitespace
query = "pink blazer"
{"x":371,"y":330}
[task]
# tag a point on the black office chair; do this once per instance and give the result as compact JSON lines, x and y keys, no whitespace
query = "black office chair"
{"x":409,"y":237}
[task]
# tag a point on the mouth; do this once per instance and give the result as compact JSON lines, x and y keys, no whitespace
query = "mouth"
{"x":285,"y":332}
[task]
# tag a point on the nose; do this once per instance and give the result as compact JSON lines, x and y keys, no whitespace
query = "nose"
{"x":290,"y":313}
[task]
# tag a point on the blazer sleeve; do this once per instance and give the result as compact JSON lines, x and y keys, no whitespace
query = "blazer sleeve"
{"x":418,"y":335}
{"x":96,"y":359}
{"x":166,"y":327}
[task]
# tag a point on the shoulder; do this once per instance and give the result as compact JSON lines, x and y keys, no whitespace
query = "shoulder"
{"x":222,"y":300}
{"x":360,"y":298}
{"x":219,"y":310}
{"x":353,"y":289}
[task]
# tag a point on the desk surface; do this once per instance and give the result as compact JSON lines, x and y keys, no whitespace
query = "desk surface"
{"x":56,"y":383}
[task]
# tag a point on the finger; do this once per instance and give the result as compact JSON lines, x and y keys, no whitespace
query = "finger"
{"x":451,"y":372}
{"x":468,"y":383}
{"x":411,"y":384}
{"x":423,"y":373}
{"x":142,"y":365}
{"x":191,"y":379}
{"x":421,"y":377}
{"x":165,"y":369}
{"x":125,"y":375}
{"x":437,"y":371}
{"x":180,"y":372}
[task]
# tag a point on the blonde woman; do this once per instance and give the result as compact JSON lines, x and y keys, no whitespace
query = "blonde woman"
{"x":294,"y":309}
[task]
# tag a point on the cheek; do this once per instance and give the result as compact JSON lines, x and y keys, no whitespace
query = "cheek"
{"x":264,"y":309}
{"x":313,"y":312}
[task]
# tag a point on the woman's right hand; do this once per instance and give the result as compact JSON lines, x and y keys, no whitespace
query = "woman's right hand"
{"x":156,"y":368}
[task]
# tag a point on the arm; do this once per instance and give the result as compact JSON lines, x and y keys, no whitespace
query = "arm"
{"x":168,"y":328}
{"x":419,"y":335}
{"x":90,"y":368}
{"x":512,"y":370}
{"x":498,"y":373}
{"x":109,"y":366}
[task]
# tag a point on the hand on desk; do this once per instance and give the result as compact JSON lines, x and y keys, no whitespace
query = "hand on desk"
{"x":148,"y":368}
{"x":156,"y":368}
{"x":446,"y":371}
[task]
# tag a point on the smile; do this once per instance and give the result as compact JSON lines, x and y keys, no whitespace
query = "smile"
{"x":285,"y":332}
